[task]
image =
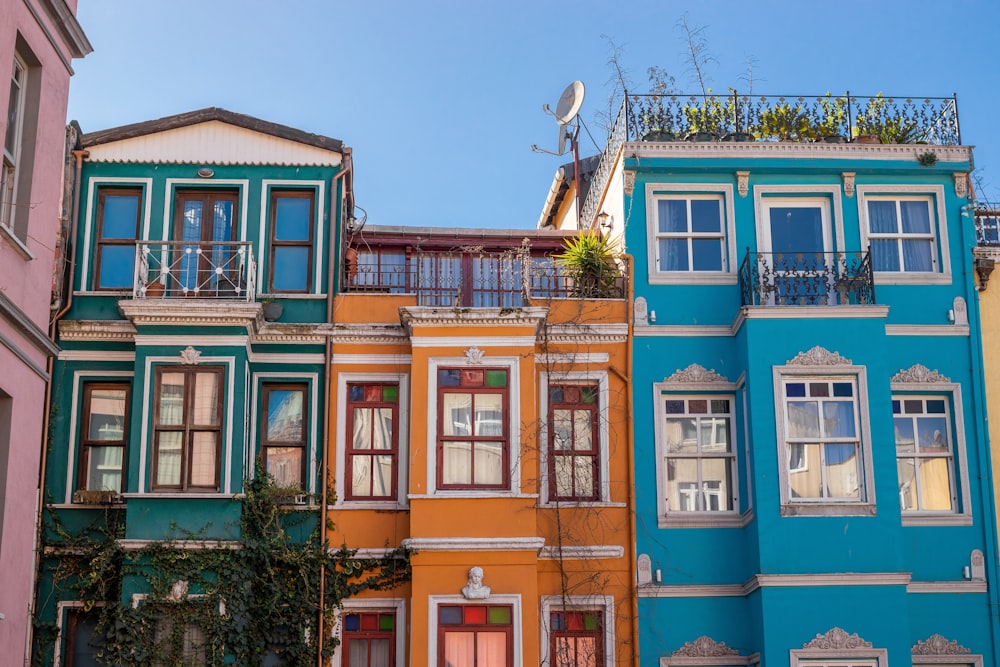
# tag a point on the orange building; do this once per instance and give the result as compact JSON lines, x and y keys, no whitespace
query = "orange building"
{"x":480,"y":416}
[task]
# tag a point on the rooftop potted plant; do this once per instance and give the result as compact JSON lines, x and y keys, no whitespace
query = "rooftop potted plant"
{"x":832,"y":119}
{"x":785,"y":122}
{"x":881,"y":124}
{"x":592,"y":264}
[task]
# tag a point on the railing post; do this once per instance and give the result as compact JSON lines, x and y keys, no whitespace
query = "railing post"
{"x":850,"y":121}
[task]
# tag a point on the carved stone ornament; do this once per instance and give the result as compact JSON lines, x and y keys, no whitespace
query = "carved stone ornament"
{"x":919,"y":373}
{"x":704,"y":647}
{"x":474,"y":588}
{"x":178,"y":591}
{"x":743,"y":183}
{"x":190,"y":356}
{"x":818,"y":356}
{"x":977,"y":565}
{"x":837,"y":638}
{"x":644,"y":570}
{"x":696,"y":373}
{"x":938,"y":645}
{"x":961,"y":181}
{"x":961,"y":311}
{"x":629,"y":182}
{"x":639,"y":311}
{"x":848,"y":177}
{"x":474,"y":355}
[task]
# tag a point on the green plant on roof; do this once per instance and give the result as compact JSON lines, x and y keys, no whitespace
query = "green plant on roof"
{"x":881,"y":120}
{"x":784,"y":121}
{"x":592,"y":263}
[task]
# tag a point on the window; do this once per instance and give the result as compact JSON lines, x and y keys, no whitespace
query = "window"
{"x":690,"y":234}
{"x":205,"y":224}
{"x":700,"y":459}
{"x":179,"y":643}
{"x":372,"y":456}
{"x":576,"y":638}
{"x":924,"y":454}
{"x":82,"y":639}
{"x":822,"y":444}
{"x":291,"y":241}
{"x":12,"y":143}
{"x":283,"y":445}
{"x":369,"y":639}
{"x":473,"y":438}
{"x":475,"y":635}
{"x":574,"y":463}
{"x":901,"y":234}
{"x":188,"y":428}
{"x":104,"y":435}
{"x":118,"y":229}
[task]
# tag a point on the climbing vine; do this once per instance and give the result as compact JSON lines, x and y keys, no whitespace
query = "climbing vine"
{"x":193,"y":600}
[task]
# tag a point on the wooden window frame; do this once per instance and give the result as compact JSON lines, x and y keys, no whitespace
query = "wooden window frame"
{"x":503,"y":439}
{"x":101,"y":242}
{"x":208,"y":199}
{"x":266,"y":443}
{"x":475,"y":628}
{"x":187,"y":428}
{"x":86,"y":443}
{"x":368,"y":635}
{"x":566,"y":633}
{"x":72,"y":620}
{"x":350,"y":451}
{"x":594,"y":453}
{"x":276,"y":243}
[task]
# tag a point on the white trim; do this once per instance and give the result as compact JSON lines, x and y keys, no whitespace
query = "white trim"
{"x":603,"y":603}
{"x":839,"y":657}
{"x":74,"y":427}
{"x":477,"y":341}
{"x":786,"y":194}
{"x":395,"y":605}
{"x":319,"y":247}
{"x":934,"y":196}
{"x":927,"y":330}
{"x":15,"y":241}
{"x":656,"y":192}
{"x":603,"y":441}
{"x":512,"y":364}
{"x":201,"y":341}
{"x":89,"y":223}
{"x":966,"y":659}
{"x":370,"y":359}
{"x":759,"y":581}
{"x":578,"y":358}
{"x":692,"y":591}
{"x":474,"y":543}
{"x":403,"y":441}
{"x":258,"y":379}
{"x":280,"y":358}
{"x":586,"y":552}
{"x":96,"y":355}
{"x":700,"y":331}
{"x":435,"y":601}
{"x":61,"y":618}
{"x":946,"y":587}
{"x":792,"y":149}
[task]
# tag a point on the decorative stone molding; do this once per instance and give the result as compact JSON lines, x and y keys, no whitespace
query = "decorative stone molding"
{"x":938,"y":645}
{"x":629,"y":182}
{"x":961,"y":183}
{"x":961,"y":311}
{"x":640,"y":311}
{"x":587,"y":334}
{"x":644,"y":570}
{"x":848,"y":177}
{"x":704,"y":647}
{"x":475,"y":589}
{"x":836,"y":638}
{"x":695,"y":373}
{"x":818,"y":356}
{"x":178,"y":591}
{"x":367,"y":334}
{"x":474,"y":355}
{"x":106,"y":330}
{"x":919,"y":373}
{"x":190,"y":356}
{"x":413,"y":317}
{"x":743,"y":183}
{"x":977,"y":566}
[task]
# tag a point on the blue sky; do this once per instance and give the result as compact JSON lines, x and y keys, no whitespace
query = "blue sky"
{"x":441,"y":100}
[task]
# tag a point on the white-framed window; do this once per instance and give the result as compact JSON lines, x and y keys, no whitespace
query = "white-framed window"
{"x":906,"y":229}
{"x":824,"y":443}
{"x":578,"y":631}
{"x":372,"y":632}
{"x":817,"y":653}
{"x":14,"y":125}
{"x":575,"y":433}
{"x":691,"y":233}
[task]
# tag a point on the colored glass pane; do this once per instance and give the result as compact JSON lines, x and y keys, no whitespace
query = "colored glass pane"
{"x":357,"y":392}
{"x":475,"y":615}
{"x":369,"y":621}
{"x":589,"y":395}
{"x":386,"y":622}
{"x":448,"y":377}
{"x":390,"y":393}
{"x":496,"y":378}
{"x":352,"y":622}
{"x":500,"y":615}
{"x":451,"y":615}
{"x":556,"y":394}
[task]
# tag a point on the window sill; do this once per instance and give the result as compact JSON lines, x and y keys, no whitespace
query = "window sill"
{"x":184,"y":495}
{"x":829,"y":509}
{"x":563,"y":504}
{"x":937,"y":519}
{"x":290,"y":296}
{"x":912,"y":278}
{"x":693,"y":278}
{"x":450,"y":495}
{"x":370,"y":505}
{"x":16,"y":242}
{"x":705,"y":520}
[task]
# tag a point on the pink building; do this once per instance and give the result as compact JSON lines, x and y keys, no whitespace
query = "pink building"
{"x":38,"y":41}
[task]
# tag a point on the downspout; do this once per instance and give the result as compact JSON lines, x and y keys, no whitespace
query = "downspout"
{"x":79,"y":155}
{"x":347,"y":173}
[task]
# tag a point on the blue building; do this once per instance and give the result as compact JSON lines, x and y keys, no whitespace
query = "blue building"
{"x":812,"y":469}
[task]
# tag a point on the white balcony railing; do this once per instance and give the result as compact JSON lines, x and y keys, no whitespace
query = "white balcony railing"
{"x":195,"y":270}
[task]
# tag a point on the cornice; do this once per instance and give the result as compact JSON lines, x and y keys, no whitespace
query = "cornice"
{"x":792,"y":150}
{"x":946,"y":587}
{"x":474,"y":543}
{"x":587,"y":333}
{"x":586,"y":552}
{"x":159,"y":312}
{"x":778,"y":581}
{"x":96,"y":330}
{"x":292,"y":333}
{"x":368,"y":334}
{"x":34,"y":334}
{"x":421,"y":316}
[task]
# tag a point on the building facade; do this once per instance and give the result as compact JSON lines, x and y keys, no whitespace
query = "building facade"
{"x":812,"y":465}
{"x":38,"y":42}
{"x":480,"y":418}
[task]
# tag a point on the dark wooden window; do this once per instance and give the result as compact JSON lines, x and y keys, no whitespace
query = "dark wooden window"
{"x":475,"y":635}
{"x":283,"y":441}
{"x":82,"y":640}
{"x":574,"y":461}
{"x":369,"y":639}
{"x":118,"y":211}
{"x":187,"y":422}
{"x":473,"y":439}
{"x":291,"y":265}
{"x":577,"y":639}
{"x":372,"y":442}
{"x":103,"y":436}
{"x":204,"y":221}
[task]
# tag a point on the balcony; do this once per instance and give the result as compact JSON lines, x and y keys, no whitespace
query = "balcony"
{"x":807,"y":279}
{"x":218,"y":270}
{"x":458,"y":279}
{"x":987,"y":225}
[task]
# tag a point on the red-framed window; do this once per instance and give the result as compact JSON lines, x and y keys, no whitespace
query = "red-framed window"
{"x":372,"y":454}
{"x":574,"y":470}
{"x":577,"y":638}
{"x":283,"y":441}
{"x":188,"y":428}
{"x":473,"y":439}
{"x":475,"y":635}
{"x":369,"y":639}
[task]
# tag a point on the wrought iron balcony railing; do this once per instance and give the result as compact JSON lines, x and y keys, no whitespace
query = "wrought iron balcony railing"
{"x":988,"y":224}
{"x":195,"y":270}
{"x":807,"y":279}
{"x":477,"y":280}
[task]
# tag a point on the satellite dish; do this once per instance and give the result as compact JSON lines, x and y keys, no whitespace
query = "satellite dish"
{"x":562,"y":140}
{"x":569,"y":103}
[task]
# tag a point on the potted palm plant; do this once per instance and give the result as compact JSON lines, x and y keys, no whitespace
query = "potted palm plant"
{"x":592,"y":264}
